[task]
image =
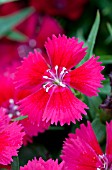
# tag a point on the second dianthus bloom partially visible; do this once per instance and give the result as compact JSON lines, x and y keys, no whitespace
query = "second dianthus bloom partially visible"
{"x":51,"y":98}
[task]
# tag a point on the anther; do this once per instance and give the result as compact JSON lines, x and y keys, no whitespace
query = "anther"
{"x":10,"y":115}
{"x":17,"y":113}
{"x":56,"y":68}
{"x":61,"y":84}
{"x":47,"y":89}
{"x":11,"y":101}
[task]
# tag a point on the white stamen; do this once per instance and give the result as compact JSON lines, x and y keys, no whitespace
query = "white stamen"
{"x":47,"y":89}
{"x":63,"y":71}
{"x":11,"y":101}
{"x":44,"y":86}
{"x":56,"y":68}
{"x":54,"y":78}
{"x":10,"y":115}
{"x":15,"y":107}
{"x":61,"y":84}
{"x":104,"y":160}
{"x":46,"y":77}
{"x":17,"y":113}
{"x":52,"y":74}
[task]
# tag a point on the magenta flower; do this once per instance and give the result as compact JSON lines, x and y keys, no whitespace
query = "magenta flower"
{"x":8,"y":100}
{"x":51,"y":98}
{"x":82,"y":151}
{"x":72,"y":9}
{"x":11,"y":137}
{"x":42,"y":165}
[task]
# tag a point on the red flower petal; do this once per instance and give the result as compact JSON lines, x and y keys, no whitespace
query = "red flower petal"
{"x":42,"y":165}
{"x":63,"y":106}
{"x":32,"y":129}
{"x":34,"y":106}
{"x":109,"y":141}
{"x":81,"y":150}
{"x":64,"y":52}
{"x":79,"y":155}
{"x":11,"y":136}
{"x":30,"y":74}
{"x":4,"y":119}
{"x":86,"y":78}
{"x":87,"y":134}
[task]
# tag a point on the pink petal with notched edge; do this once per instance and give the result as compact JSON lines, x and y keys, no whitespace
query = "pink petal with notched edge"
{"x":81,"y":150}
{"x":32,"y":129}
{"x":63,"y":106}
{"x":30,"y":74}
{"x":86,"y":133}
{"x":34,"y":106}
{"x":79,"y":155}
{"x":86,"y":78}
{"x":109,"y":141}
{"x":64,"y":52}
{"x":4,"y":119}
{"x":42,"y":165}
{"x":10,"y":140}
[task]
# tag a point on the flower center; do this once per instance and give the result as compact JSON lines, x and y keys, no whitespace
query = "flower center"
{"x":105,"y":163}
{"x":12,"y":109}
{"x":54,"y":77}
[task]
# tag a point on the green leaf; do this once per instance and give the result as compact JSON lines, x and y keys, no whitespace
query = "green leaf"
{"x":106,"y":59}
{"x":106,"y":87}
{"x":99,"y":129}
{"x":8,"y":22}
{"x":109,"y":38}
{"x":5,"y":1}
{"x":93,"y":104}
{"x":92,"y":38}
{"x":15,"y":163}
{"x":17,"y":36}
{"x":19,"y":118}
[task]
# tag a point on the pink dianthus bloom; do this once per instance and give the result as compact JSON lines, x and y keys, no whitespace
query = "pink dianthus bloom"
{"x":82,"y":150}
{"x":51,"y":98}
{"x":43,"y":165}
{"x":11,"y":137}
{"x":8,"y":100}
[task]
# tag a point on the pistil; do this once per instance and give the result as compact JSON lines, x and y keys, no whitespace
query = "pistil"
{"x":54,"y":77}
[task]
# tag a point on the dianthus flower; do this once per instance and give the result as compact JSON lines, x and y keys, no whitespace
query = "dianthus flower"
{"x":8,"y":100}
{"x":82,"y":150}
{"x":71,"y":9}
{"x":43,"y":165}
{"x":11,"y":136}
{"x":51,"y":98}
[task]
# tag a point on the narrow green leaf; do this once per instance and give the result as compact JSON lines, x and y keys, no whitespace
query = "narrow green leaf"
{"x":15,"y":163}
{"x":19,"y":118}
{"x":99,"y":130}
{"x":109,"y":27}
{"x":5,"y":1}
{"x":109,"y":38}
{"x":92,"y":38}
{"x":106,"y":59}
{"x":8,"y":22}
{"x":17,"y":36}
